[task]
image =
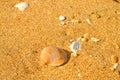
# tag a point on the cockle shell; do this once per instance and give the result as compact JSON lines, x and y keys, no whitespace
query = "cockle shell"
{"x":53,"y":56}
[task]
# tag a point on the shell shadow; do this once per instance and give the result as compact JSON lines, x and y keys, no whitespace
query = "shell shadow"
{"x":68,"y":57}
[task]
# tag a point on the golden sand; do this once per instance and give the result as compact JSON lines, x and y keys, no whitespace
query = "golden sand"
{"x":23,"y":34}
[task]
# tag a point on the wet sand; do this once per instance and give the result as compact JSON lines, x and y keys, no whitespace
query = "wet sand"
{"x":24,"y":34}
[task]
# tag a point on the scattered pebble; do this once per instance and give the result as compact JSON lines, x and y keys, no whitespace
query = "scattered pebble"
{"x":75,"y":46}
{"x":94,"y":15}
{"x":84,"y":39}
{"x":75,"y":21}
{"x":88,"y":21}
{"x":114,"y":67}
{"x":62,"y":24}
{"x":62,"y":18}
{"x":114,"y":59}
{"x":22,"y":6}
{"x":95,"y":39}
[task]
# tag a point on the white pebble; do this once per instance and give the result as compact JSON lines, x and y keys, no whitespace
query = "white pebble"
{"x":88,"y":21}
{"x":62,"y":18}
{"x":115,"y":65}
{"x":22,"y":6}
{"x":95,"y":39}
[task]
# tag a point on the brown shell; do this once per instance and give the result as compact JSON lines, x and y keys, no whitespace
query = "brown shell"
{"x":53,"y":56}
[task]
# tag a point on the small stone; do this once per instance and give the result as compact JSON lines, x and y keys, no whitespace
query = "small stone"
{"x":75,"y":21}
{"x":95,"y":39}
{"x":94,"y":16}
{"x":74,"y":54}
{"x":88,"y":21}
{"x":62,"y":18}
{"x":83,"y":39}
{"x":114,"y":66}
{"x":114,"y":59}
{"x":22,"y":6}
{"x":62,"y":24}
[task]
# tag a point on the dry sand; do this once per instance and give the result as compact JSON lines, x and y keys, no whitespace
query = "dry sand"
{"x":23,"y":34}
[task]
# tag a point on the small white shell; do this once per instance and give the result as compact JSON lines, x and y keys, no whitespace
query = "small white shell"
{"x":62,"y":18}
{"x":22,"y":6}
{"x":75,"y":46}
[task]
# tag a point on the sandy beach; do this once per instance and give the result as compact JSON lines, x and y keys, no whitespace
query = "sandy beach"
{"x":23,"y":35}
